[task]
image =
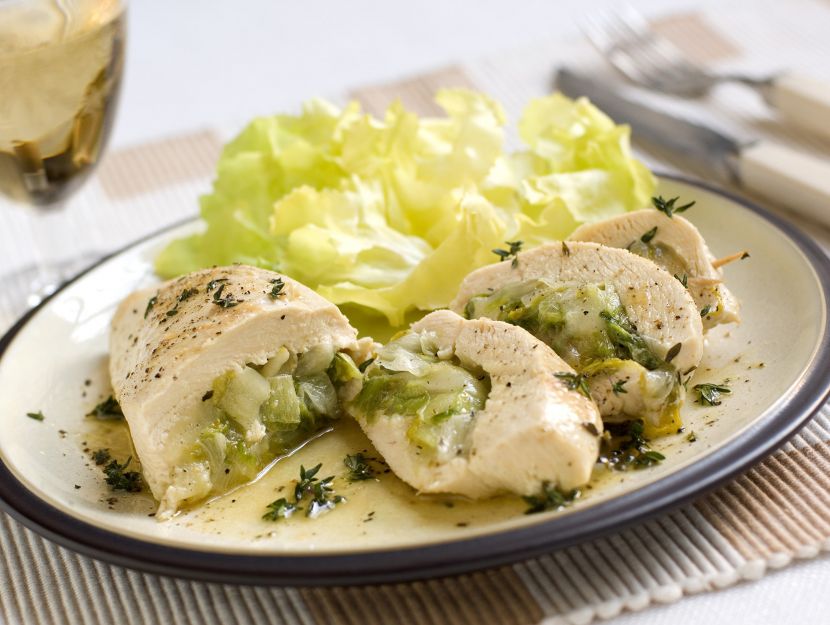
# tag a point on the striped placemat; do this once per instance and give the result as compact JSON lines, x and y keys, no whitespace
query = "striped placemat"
{"x":776,"y":512}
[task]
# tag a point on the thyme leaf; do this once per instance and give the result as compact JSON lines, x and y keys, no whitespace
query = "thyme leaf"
{"x":512,"y":252}
{"x":710,"y":394}
{"x":550,"y":498}
{"x":279,"y":509}
{"x":674,"y":350}
{"x":574,"y":382}
{"x":684,"y":280}
{"x":119,"y":478}
{"x":109,"y":409}
{"x":37,"y":416}
{"x":668,"y":206}
{"x":617,"y":387}
{"x":276,"y":289}
{"x":648,"y":236}
{"x":359,"y":467}
{"x":150,"y":303}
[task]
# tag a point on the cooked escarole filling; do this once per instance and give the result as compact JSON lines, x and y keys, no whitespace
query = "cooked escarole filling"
{"x":589,"y":328}
{"x":259,"y":413}
{"x":661,"y":254}
{"x":411,"y":378}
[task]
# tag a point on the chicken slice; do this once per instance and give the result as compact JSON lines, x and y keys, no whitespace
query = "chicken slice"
{"x":474,"y":407}
{"x":677,"y":246}
{"x":620,"y":320}
{"x":219,"y":370}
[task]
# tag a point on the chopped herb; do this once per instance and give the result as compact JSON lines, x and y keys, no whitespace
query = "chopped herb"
{"x":101,"y":456}
{"x":744,"y":255}
{"x":625,"y":447}
{"x":648,"y":236}
{"x":691,"y":437}
{"x":668,"y":206}
{"x":229,"y":301}
{"x":684,"y":280}
{"x":673,"y":351}
{"x":186,"y":293}
{"x":320,"y":492}
{"x":710,"y":394}
{"x":279,"y":509}
{"x":119,"y":479}
{"x":574,"y":382}
{"x":276,"y":289}
{"x":359,"y":468}
{"x":590,"y":427}
{"x":365,"y":365}
{"x":650,"y":457}
{"x":150,"y":303}
{"x":705,"y":310}
{"x":566,"y":251}
{"x":512,"y":252}
{"x":625,"y":336}
{"x":617,"y":387}
{"x":37,"y":416}
{"x":307,"y":480}
{"x":207,"y":395}
{"x":551,"y":498}
{"x":107,"y":409}
{"x":213,"y":284}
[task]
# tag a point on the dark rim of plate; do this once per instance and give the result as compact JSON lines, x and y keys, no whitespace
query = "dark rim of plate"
{"x":459,"y":556}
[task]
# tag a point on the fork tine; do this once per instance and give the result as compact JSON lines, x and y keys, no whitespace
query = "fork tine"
{"x":633,"y":46}
{"x":661,"y":51}
{"x":656,"y":57}
{"x":608,"y":42}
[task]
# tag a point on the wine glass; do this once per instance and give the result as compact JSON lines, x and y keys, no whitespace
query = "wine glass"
{"x":61,"y":63}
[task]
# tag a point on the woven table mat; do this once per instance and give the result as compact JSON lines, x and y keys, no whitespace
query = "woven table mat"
{"x":776,"y":512}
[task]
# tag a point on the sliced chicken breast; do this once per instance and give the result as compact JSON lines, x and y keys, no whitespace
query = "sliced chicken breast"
{"x":675,"y":244}
{"x":219,"y":370}
{"x":623,"y":322}
{"x":477,"y":407}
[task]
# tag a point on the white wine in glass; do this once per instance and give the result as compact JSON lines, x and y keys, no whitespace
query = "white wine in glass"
{"x":61,"y":63}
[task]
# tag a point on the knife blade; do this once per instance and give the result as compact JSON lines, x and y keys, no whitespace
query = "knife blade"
{"x":792,"y":179}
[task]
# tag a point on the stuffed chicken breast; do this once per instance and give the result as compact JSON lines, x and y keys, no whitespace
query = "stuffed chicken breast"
{"x":221,"y":371}
{"x":677,"y":246}
{"x":626,"y":325}
{"x":477,"y":407}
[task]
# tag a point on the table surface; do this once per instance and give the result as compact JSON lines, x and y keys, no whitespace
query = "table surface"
{"x":198,"y":64}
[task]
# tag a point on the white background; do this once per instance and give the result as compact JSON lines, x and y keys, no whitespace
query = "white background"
{"x":194,"y":64}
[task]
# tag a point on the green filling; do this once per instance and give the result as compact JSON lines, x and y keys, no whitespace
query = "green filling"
{"x":261,"y":413}
{"x":587,"y":325}
{"x":440,"y":396}
{"x":582,"y":323}
{"x":661,"y":254}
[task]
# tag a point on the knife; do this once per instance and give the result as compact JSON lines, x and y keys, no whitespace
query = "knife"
{"x":792,"y":179}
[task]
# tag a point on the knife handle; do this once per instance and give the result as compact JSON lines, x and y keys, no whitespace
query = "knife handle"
{"x":802,"y":101}
{"x":795,"y":180}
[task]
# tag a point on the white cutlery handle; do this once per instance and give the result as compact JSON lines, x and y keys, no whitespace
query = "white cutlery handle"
{"x":803,"y":101}
{"x":795,"y":180}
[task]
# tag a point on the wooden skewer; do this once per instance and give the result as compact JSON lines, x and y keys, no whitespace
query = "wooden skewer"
{"x":720,"y":262}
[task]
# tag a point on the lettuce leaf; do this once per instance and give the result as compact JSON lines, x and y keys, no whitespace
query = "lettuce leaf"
{"x":387,"y":216}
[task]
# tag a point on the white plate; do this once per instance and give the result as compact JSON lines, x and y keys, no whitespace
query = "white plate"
{"x":774,"y":361}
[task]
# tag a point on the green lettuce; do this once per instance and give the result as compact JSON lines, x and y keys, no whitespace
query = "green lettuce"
{"x":386,"y":216}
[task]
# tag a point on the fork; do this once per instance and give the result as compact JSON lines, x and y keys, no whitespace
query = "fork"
{"x":648,"y":59}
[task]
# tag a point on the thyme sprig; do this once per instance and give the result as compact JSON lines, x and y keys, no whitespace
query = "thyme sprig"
{"x":109,"y":409}
{"x":710,"y":394}
{"x":276,"y":289}
{"x":550,"y":498}
{"x":359,"y":467}
{"x":669,"y":206}
{"x":512,"y":252}
{"x":574,"y":382}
